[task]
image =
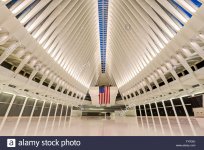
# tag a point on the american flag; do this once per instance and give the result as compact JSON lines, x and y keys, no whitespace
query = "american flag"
{"x":104,"y":95}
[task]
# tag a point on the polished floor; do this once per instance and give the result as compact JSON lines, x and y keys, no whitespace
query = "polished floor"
{"x":100,"y":126}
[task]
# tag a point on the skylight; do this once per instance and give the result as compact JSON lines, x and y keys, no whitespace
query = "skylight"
{"x":103,"y":18}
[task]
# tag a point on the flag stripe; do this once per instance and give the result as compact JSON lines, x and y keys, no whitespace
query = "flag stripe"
{"x":108,"y":95}
{"x":104,"y":95}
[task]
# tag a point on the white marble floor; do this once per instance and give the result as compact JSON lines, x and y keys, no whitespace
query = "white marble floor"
{"x":99,"y":126}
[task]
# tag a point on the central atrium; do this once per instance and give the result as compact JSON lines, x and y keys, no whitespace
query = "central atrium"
{"x":102,"y":67}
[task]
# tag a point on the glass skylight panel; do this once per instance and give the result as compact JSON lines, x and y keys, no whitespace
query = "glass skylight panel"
{"x":103,"y":17}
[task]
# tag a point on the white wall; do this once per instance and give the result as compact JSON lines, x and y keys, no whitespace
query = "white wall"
{"x":76,"y":113}
{"x":198,"y":112}
{"x":131,"y":112}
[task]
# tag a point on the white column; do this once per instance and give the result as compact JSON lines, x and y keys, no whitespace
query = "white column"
{"x":146,"y":117}
{"x":8,"y":51}
{"x":136,"y":117}
{"x":60,"y":116}
{"x":150,"y":107}
{"x":167,"y":117}
{"x":187,"y":115}
{"x":141,"y":117}
{"x":30,"y":118}
{"x":19,"y":117}
{"x":162,"y":128}
{"x":70,"y":118}
{"x":176,"y":116}
{"x":38,"y":123}
{"x":33,"y":73}
{"x":48,"y":115}
{"x":65,"y":118}
{"x":53,"y":122}
{"x":7,"y":112}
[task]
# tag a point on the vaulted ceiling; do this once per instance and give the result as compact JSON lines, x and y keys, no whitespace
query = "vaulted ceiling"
{"x":139,"y":30}
{"x":67,"y":30}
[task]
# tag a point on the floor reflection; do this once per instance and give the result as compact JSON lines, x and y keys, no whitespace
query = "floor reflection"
{"x":99,"y":126}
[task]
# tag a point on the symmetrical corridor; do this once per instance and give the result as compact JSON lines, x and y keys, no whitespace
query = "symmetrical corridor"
{"x":102,"y":67}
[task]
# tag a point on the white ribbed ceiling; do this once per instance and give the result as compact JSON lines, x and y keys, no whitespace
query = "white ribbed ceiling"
{"x":68,"y":30}
{"x":138,"y":30}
